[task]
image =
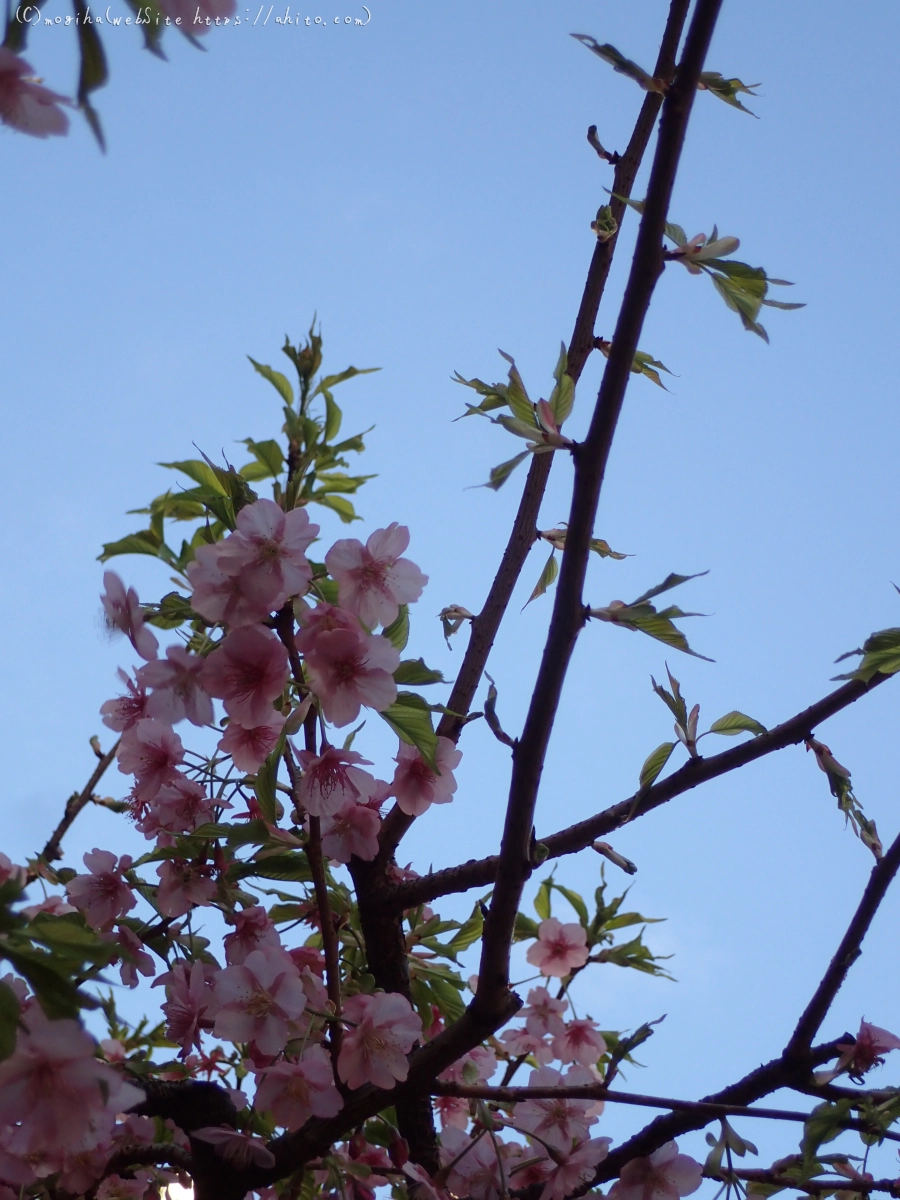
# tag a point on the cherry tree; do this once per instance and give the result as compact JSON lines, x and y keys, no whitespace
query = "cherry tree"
{"x":336,"y":1035}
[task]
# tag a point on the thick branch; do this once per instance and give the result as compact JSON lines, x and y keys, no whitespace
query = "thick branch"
{"x":521,"y":539}
{"x":514,"y":866}
{"x":482,"y":872}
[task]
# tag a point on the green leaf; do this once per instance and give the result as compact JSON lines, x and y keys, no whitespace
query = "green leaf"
{"x":144,"y":542}
{"x":70,"y":934}
{"x":562,"y":398}
{"x":736,"y":722}
{"x":414,"y":671}
{"x":468,"y":933}
{"x":266,"y":778}
{"x":410,"y":718}
{"x":201,"y":473}
{"x":9,"y":1020}
{"x":277,"y":380}
{"x":599,"y":546}
{"x":333,"y":417}
{"x":501,"y":473}
{"x":524,"y":928}
{"x":621,"y":64}
{"x":338,"y":504}
{"x":655,"y":762}
{"x":726,"y":89}
{"x":516,"y":395}
{"x":397,"y":633}
{"x":642,"y":363}
{"x":575,"y":900}
{"x":547,"y":577}
{"x":93,"y":73}
{"x":331,"y":381}
{"x":269,"y":460}
{"x":293,"y":867}
{"x":542,"y":904}
{"x":57,"y":994}
{"x":173,"y":610}
{"x":671,"y":581}
{"x":881,"y":655}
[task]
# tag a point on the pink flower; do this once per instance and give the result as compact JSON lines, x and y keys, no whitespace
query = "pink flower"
{"x":114,"y":1187}
{"x":559,"y":948}
{"x":123,"y":611}
{"x":871,"y":1044}
{"x":252,"y":931}
{"x":54,"y":905}
{"x":578,"y":1167}
{"x":321,"y":619}
{"x":268,"y":552}
{"x":416,"y":785}
{"x":665,"y":1175}
{"x":133,"y":957}
{"x":580,"y":1043}
{"x":332,"y":779}
{"x":24,"y":104}
{"x":11,"y":871}
{"x":373,"y":581}
{"x":520,"y":1041}
{"x":347,"y":670}
{"x":183,"y":885}
{"x":258,"y":999}
{"x":124,"y":711}
{"x":543,"y":1014}
{"x":218,"y":596}
{"x":190,"y":1005}
{"x":453,"y":1111}
{"x":295,"y":1091}
{"x":177,"y":691}
{"x":178,"y":807}
{"x":557,"y":1122}
{"x":152,"y":752}
{"x":383,"y":1032}
{"x":248,"y":671}
{"x":249,"y":748}
{"x":238,"y":1149}
{"x":55,"y":1086}
{"x":475,"y":1067}
{"x":476,"y":1172}
{"x":353,"y":830}
{"x":103,"y":895}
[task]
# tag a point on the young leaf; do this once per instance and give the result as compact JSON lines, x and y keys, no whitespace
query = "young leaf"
{"x":501,"y":473}
{"x":414,"y":671}
{"x":726,"y":89}
{"x":547,"y":577}
{"x":410,"y":718}
{"x":278,"y":381}
{"x":881,"y":655}
{"x":655,"y":762}
{"x":621,"y":64}
{"x":266,"y":778}
{"x":397,"y":633}
{"x":736,"y":722}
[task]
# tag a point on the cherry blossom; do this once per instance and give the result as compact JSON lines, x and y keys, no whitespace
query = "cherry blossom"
{"x":178,"y":807}
{"x":476,"y":1066}
{"x":249,"y":748}
{"x":453,"y":1111}
{"x":868,"y":1051}
{"x":257,"y":999}
{"x":559,"y":948}
{"x":11,"y":871}
{"x":580,"y":1042}
{"x":519,"y":1041}
{"x":559,"y":1121}
{"x":218,"y":596}
{"x":114,"y":1187}
{"x":543,"y":1014}
{"x":152,"y":752}
{"x":665,"y":1175}
{"x":133,"y":957}
{"x":416,"y":785}
{"x":475,"y":1172}
{"x":124,"y":711}
{"x":422,"y":1182}
{"x":576,"y":1168}
{"x":183,"y":885}
{"x":54,"y":905}
{"x":123,"y":612}
{"x":102,"y":895}
{"x":321,"y":619}
{"x":24,"y":103}
{"x":177,"y":690}
{"x":698,"y":249}
{"x":190,"y":1005}
{"x":295,"y":1091}
{"x":383,"y":1031}
{"x":348,"y":670}
{"x":353,"y":830}
{"x":268,"y":552}
{"x":55,"y":1088}
{"x":332,"y":779}
{"x":373,"y":580}
{"x":252,"y":931}
{"x":247,"y":671}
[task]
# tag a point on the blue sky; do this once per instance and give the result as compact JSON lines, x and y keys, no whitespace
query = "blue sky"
{"x":425,"y":186}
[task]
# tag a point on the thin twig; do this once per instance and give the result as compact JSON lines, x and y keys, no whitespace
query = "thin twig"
{"x":75,"y":804}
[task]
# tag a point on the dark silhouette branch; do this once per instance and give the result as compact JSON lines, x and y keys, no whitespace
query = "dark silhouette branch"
{"x":483,"y":872}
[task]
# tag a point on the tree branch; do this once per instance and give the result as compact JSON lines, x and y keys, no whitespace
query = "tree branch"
{"x":813,"y":1187}
{"x":482,"y":872}
{"x":590,"y":458}
{"x":524,"y":530}
{"x":53,"y":849}
{"x":597,"y":1091}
